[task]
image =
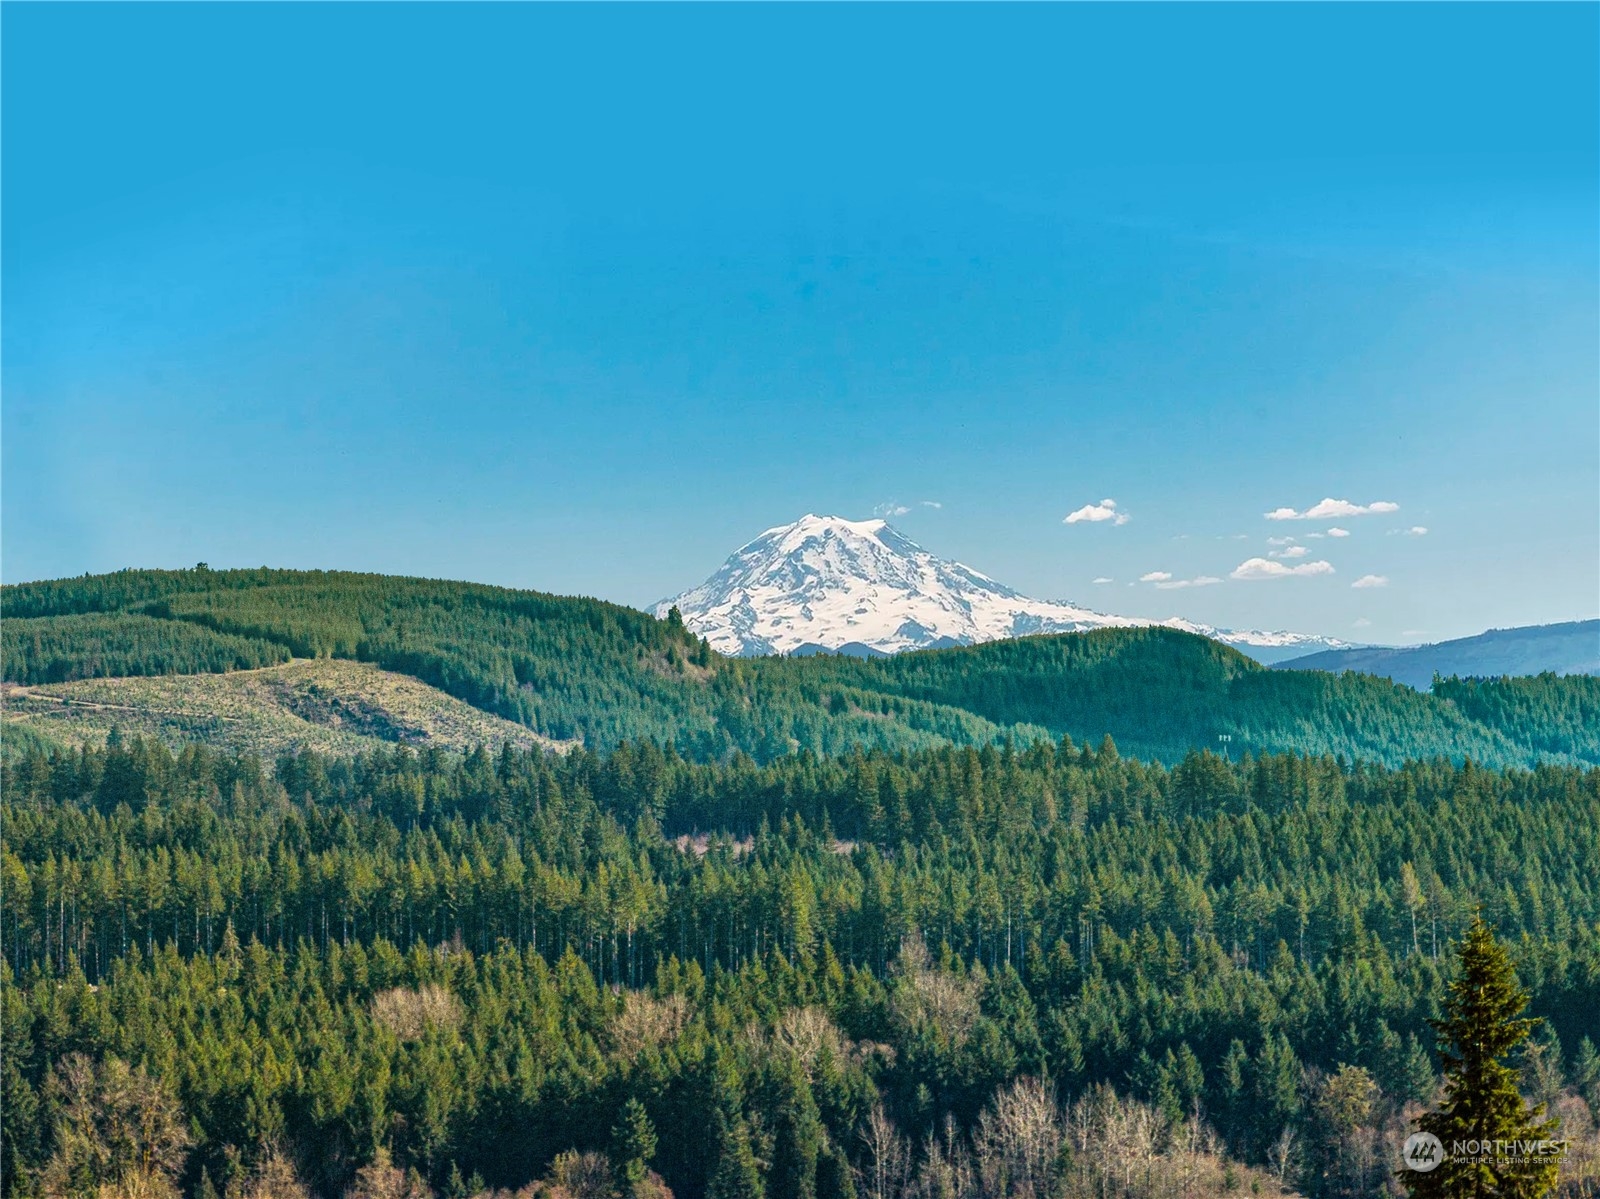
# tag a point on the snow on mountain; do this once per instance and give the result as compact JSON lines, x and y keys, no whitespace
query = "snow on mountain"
{"x":862,"y":586}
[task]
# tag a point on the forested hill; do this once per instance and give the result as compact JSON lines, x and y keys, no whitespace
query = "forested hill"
{"x":573,"y":668}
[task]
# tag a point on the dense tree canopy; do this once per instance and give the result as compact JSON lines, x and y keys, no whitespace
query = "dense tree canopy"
{"x":471,"y":967}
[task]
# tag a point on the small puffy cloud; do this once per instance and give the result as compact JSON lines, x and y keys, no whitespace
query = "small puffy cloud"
{"x":1267,"y":568}
{"x":932,"y":504}
{"x":1096,"y":513}
{"x":1332,"y":509}
{"x":1282,"y":540}
{"x":1361,"y":622}
{"x":1289,"y":551}
{"x":1103,"y":579}
{"x":1371,"y":581}
{"x":1165,"y":582}
{"x":1338,"y":532}
{"x":891,"y":509}
{"x":1413,"y":531}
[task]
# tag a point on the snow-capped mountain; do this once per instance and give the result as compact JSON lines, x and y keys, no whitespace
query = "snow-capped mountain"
{"x":861,"y":586}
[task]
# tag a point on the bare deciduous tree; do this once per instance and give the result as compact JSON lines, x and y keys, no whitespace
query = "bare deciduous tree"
{"x":884,"y":1173}
{"x":408,"y":1012}
{"x":807,"y":1031}
{"x":647,"y":1022}
{"x":1018,"y":1141}
{"x":381,"y":1179}
{"x":580,"y":1176}
{"x":119,"y":1133}
{"x":931,"y":998}
{"x":273,"y":1178}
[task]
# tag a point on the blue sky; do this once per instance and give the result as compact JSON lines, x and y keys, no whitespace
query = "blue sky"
{"x":583,"y":298}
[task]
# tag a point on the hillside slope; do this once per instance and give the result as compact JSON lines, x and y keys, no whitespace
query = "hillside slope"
{"x":327,"y":706}
{"x":1159,"y":692}
{"x":580,"y":669}
{"x":1570,"y":648}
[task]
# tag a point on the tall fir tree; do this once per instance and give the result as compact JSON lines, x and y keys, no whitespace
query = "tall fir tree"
{"x":738,"y":1174}
{"x":1482,"y":1025}
{"x":633,"y":1143}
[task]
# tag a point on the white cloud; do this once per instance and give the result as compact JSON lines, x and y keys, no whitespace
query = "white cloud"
{"x":891,"y":509}
{"x":1361,"y":622}
{"x":1282,"y":540}
{"x":1332,"y":509}
{"x":1338,"y":532}
{"x":1095,"y":513}
{"x":1289,"y":551}
{"x":1103,"y":579}
{"x":1165,"y":582}
{"x":932,"y":504}
{"x":1371,"y":581}
{"x":1266,"y":568}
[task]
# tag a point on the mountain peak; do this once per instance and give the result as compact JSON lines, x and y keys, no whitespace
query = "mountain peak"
{"x":828,"y":582}
{"x":812,"y":525}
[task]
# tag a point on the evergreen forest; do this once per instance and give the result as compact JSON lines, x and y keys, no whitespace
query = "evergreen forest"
{"x":602,"y":674}
{"x":869,"y":974}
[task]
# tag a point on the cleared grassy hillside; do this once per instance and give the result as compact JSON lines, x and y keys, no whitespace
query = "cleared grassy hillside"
{"x":326,"y":705}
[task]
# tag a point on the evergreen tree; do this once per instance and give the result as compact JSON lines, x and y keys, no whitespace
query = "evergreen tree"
{"x":835,"y":1180}
{"x":633,"y":1143}
{"x":799,"y":1136}
{"x":738,"y":1174}
{"x":1482,"y":1025}
{"x":1417,"y":1077}
{"x":1586,"y":1075}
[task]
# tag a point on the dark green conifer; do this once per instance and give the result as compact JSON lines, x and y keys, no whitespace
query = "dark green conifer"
{"x":1482,"y":1025}
{"x":633,"y":1143}
{"x":738,"y":1174}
